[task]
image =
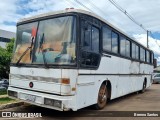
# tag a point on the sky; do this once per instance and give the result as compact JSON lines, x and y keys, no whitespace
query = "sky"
{"x":145,"y":12}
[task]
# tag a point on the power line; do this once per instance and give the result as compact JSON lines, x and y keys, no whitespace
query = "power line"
{"x":71,"y":2}
{"x":119,"y":8}
{"x":78,"y":2}
{"x":126,"y":13}
{"x":75,"y":3}
{"x":68,"y":3}
{"x":116,"y":5}
{"x":83,"y":5}
{"x":93,"y":5}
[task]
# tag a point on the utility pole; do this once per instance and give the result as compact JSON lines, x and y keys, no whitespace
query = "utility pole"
{"x":147,"y":39}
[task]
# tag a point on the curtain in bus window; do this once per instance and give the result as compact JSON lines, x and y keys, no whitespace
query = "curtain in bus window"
{"x":58,"y":41}
{"x":133,"y":50}
{"x":152,"y":58}
{"x":137,"y":52}
{"x":95,"y":39}
{"x":114,"y":42}
{"x":142,"y":54}
{"x":127,"y":48}
{"x":148,"y":56}
{"x":122,"y":45}
{"x":106,"y":39}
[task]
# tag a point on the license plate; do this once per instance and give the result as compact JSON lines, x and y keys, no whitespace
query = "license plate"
{"x":31,"y":98}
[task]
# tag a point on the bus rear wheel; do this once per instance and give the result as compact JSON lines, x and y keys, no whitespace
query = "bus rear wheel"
{"x":143,"y":87}
{"x":102,"y":97}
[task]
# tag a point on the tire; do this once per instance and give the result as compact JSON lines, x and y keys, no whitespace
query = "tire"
{"x":102,"y":97}
{"x":143,"y":87}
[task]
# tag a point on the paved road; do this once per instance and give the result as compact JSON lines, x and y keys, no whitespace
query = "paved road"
{"x":148,"y":101}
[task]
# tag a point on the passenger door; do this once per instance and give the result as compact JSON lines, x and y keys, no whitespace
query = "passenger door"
{"x":89,"y":50}
{"x":89,"y":62}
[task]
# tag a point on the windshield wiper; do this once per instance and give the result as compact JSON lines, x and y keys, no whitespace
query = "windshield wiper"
{"x":30,"y":47}
{"x":43,"y":53}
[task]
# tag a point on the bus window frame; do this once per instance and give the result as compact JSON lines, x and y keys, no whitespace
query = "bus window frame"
{"x":79,"y":16}
{"x":112,"y":31}
{"x":102,"y":51}
{"x":74,"y":66}
{"x":131,"y":41}
{"x":130,"y":46}
{"x":82,"y":18}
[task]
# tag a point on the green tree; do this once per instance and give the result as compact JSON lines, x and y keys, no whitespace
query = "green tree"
{"x":10,"y":45}
{"x":5,"y":59}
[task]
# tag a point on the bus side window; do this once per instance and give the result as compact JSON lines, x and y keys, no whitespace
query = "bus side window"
{"x":114,"y":42}
{"x":90,"y":38}
{"x":142,"y":54}
{"x":128,"y":48}
{"x":137,"y":52}
{"x":106,"y":39}
{"x":151,"y":58}
{"x":133,"y":51}
{"x":124,"y":47}
{"x":147,"y":56}
{"x":95,"y":39}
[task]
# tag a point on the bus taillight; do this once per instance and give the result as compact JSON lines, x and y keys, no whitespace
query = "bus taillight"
{"x":65,"y":81}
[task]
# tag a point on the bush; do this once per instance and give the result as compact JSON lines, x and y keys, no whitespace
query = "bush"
{"x":5,"y":59}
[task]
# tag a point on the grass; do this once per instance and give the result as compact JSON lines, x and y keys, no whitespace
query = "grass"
{"x":3,"y":92}
{"x":5,"y":100}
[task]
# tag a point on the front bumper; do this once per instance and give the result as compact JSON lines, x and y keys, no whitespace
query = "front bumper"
{"x":38,"y":98}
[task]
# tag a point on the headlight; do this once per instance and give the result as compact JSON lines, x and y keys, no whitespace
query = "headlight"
{"x":57,"y":103}
{"x":12,"y":94}
{"x":51,"y":102}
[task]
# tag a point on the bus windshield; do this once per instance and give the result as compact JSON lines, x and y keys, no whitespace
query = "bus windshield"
{"x":51,"y":41}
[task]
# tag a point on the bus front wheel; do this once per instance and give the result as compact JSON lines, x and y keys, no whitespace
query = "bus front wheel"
{"x":102,"y":97}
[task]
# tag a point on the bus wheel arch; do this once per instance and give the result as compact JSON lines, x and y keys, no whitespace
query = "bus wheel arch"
{"x":144,"y":85}
{"x":109,"y":88}
{"x":105,"y":86}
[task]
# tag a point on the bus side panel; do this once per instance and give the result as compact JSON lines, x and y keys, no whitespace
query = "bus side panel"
{"x":72,"y":74}
{"x":126,"y":76}
{"x":85,"y":91}
{"x":147,"y":70}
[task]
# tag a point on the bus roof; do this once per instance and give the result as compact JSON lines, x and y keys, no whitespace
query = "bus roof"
{"x":77,"y":11}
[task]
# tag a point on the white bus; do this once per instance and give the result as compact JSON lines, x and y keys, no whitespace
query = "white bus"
{"x":71,"y":59}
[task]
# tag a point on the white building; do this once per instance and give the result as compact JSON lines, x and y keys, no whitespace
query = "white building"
{"x":5,"y":37}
